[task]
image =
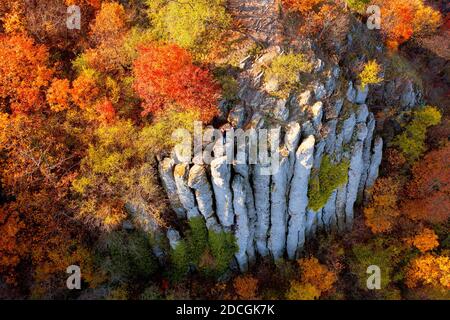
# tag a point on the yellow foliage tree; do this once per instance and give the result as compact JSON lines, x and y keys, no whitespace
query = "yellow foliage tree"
{"x":370,"y":74}
{"x":429,"y":270}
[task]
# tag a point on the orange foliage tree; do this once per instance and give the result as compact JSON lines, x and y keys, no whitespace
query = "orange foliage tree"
{"x":316,"y":15}
{"x":165,"y":74}
{"x":425,"y":240}
{"x":382,"y":211}
{"x":316,"y":280}
{"x":402,"y":19}
{"x":428,"y":192}
{"x":246,"y":287}
{"x":23,"y":74}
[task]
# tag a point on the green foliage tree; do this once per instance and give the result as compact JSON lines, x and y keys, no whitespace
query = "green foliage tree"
{"x":192,"y":24}
{"x":199,"y":245}
{"x":127,"y":256}
{"x":412,"y":141}
{"x":285,"y":70}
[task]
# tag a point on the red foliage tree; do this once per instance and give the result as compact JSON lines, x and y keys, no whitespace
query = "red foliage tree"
{"x":165,"y":74}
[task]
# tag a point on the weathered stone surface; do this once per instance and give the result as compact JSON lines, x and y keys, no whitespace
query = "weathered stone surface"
{"x":341,"y":198}
{"x":408,"y":97}
{"x":366,"y":154}
{"x":165,"y":168}
{"x":311,"y":223}
{"x":244,"y":171}
{"x":281,"y":111}
{"x":318,"y":153}
{"x":304,"y":98}
{"x":375,"y":162}
{"x":298,"y":196}
{"x":319,"y":91}
{"x":308,"y":128}
{"x":198,"y":181}
{"x":362,"y":113}
{"x":351,"y":93}
{"x":354,"y":176}
{"x":261,"y":188}
{"x":174,"y":238}
{"x":237,"y":116}
{"x":329,"y":214}
{"x":317,"y":114}
{"x":361,"y":94}
{"x":278,"y":215}
{"x":330,"y":136}
{"x":221,"y":176}
{"x":241,"y":232}
{"x":181,"y":174}
{"x":339,"y":103}
{"x":348,"y":128}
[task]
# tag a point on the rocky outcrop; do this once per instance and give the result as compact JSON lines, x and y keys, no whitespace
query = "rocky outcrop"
{"x":264,"y":205}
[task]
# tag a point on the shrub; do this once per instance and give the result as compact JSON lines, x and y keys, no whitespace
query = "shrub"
{"x":197,"y":239}
{"x":286,"y":70}
{"x":370,"y":73}
{"x":128,"y":256}
{"x":210,"y":252}
{"x":412,"y":141}
{"x":223,"y":247}
{"x":358,"y":5}
{"x":192,"y":24}
{"x":179,"y":258}
{"x":325,"y":180}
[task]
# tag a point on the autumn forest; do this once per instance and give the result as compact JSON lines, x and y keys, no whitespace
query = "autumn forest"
{"x":91,"y":179}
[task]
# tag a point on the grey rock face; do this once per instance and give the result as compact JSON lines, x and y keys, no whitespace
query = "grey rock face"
{"x":278,"y":215}
{"x":198,"y":181}
{"x":319,"y":91}
{"x":174,"y":238}
{"x":311,"y":225}
{"x":317,"y":114}
{"x":351,"y":93}
{"x":354,"y":176}
{"x":304,"y":98}
{"x":221,"y":176}
{"x":375,"y":162}
{"x":244,"y":171}
{"x":362,"y":113}
{"x":366,"y":154}
{"x":281,"y":111}
{"x":261,"y":187}
{"x":329,"y":214}
{"x":187,"y":199}
{"x":408,"y":97}
{"x":361,"y":94}
{"x":298,"y":197}
{"x":237,"y":116}
{"x":348,"y":128}
{"x":165,"y":168}
{"x":242,"y":232}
